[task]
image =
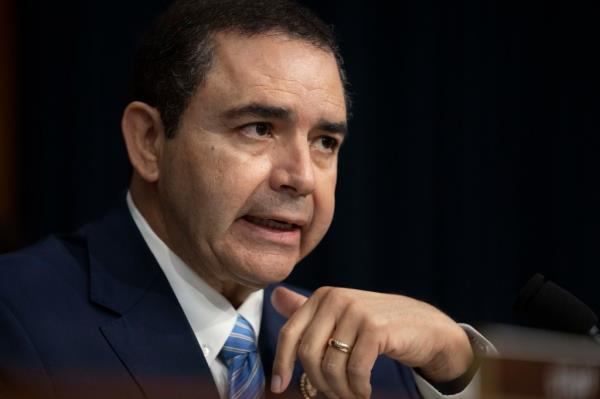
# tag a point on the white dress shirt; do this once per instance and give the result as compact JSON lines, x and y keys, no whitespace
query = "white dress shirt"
{"x":209,"y":313}
{"x":212,"y":317}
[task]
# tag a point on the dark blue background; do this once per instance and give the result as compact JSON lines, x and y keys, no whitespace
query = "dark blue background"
{"x":472,"y":160}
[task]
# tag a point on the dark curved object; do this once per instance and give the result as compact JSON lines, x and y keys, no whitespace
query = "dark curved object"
{"x":546,"y":305}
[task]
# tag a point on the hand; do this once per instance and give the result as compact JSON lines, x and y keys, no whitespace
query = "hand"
{"x":407,"y":330}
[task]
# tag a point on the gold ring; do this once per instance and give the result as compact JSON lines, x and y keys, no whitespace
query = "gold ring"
{"x":339,"y":345}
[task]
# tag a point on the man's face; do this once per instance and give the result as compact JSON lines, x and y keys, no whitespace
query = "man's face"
{"x":247,"y":185}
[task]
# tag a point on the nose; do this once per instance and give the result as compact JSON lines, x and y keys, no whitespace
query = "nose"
{"x":293,"y":169}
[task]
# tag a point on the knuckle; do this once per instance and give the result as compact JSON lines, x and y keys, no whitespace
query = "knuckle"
{"x":287,"y":332}
{"x":339,"y":292}
{"x":374,"y":323}
{"x":339,"y":298}
{"x":329,"y":368}
{"x":334,"y":301}
{"x":370,"y":325}
{"x":356,"y":307}
{"x":358,"y":370}
{"x":322,"y":291}
{"x":305,"y":351}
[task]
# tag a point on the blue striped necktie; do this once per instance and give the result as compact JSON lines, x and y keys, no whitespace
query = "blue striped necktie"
{"x":246,"y":374}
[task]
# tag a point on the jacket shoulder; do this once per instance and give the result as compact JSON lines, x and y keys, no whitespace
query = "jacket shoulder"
{"x":41,"y":266}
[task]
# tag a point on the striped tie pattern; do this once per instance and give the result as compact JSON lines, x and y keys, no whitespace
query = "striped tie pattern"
{"x":246,"y":374}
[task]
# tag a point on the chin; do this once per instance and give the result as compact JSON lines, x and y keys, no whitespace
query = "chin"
{"x":269,"y":269}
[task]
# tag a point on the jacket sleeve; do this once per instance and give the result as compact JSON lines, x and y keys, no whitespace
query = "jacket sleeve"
{"x":469,"y":387}
{"x":22,"y":372}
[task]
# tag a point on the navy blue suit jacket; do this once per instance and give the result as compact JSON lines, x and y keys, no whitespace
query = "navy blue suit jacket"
{"x":91,"y":315}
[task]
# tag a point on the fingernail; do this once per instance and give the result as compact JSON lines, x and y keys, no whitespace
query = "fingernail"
{"x":276,"y":384}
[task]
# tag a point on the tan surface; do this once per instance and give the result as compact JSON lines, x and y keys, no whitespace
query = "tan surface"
{"x":526,"y":379}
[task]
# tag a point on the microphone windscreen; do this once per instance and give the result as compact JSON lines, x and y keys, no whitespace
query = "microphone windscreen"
{"x":546,"y":305}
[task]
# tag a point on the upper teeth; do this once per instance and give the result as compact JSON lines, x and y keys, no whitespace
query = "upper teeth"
{"x":271,"y":223}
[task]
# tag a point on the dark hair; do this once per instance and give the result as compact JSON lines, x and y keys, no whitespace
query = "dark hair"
{"x":175,"y":56}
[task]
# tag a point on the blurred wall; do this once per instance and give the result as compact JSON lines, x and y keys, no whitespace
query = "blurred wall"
{"x":471,"y":163}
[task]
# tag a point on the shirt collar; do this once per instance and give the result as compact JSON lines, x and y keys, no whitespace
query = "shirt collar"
{"x":209,"y":313}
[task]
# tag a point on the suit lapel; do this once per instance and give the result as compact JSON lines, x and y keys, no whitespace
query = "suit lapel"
{"x":150,"y":335}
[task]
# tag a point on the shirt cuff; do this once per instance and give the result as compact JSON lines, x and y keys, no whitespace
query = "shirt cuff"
{"x":481,"y":347}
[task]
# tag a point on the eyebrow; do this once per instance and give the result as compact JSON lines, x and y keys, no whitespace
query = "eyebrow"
{"x":260,"y":110}
{"x":275,"y":112}
{"x":333,"y":127}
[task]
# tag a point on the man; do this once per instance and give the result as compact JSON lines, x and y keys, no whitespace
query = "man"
{"x":239,"y":113}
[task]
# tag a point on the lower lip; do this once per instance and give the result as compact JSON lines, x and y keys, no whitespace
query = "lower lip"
{"x":282,"y":237}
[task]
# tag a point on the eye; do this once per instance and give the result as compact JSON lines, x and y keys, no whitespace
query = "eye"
{"x":257,"y":129}
{"x":328,"y":143}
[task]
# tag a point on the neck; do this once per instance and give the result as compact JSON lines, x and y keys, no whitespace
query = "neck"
{"x":146,"y":198}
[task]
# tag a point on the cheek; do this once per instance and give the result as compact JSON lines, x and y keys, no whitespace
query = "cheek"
{"x":324,"y":205}
{"x":214,"y":181}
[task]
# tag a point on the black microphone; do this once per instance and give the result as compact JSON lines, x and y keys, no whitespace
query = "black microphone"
{"x":548,"y":306}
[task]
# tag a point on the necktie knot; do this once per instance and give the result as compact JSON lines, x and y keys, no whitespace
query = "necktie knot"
{"x":246,"y":375}
{"x":240,"y":342}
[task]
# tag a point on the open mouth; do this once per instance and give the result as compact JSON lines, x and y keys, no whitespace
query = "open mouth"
{"x":271,"y":223}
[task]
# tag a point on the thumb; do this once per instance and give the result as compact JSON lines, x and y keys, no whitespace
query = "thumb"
{"x":286,"y":301}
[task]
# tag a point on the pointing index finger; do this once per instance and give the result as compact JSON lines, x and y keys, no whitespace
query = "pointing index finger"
{"x":286,"y":302}
{"x":288,"y":342}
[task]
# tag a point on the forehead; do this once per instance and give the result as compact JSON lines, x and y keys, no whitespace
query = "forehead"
{"x":275,"y":68}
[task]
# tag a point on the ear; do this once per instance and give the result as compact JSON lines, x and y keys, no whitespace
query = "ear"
{"x":144,"y":136}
